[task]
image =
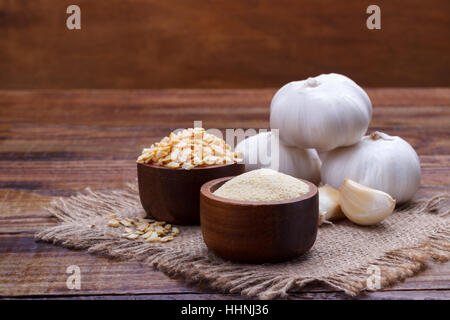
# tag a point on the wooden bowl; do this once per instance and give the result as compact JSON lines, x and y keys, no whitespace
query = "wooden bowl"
{"x":173,"y":195}
{"x":258,"y":232}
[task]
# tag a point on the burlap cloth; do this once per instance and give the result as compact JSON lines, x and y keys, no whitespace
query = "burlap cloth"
{"x":343,"y":255}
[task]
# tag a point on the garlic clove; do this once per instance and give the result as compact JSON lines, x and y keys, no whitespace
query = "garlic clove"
{"x":329,"y":208}
{"x":363,"y":205}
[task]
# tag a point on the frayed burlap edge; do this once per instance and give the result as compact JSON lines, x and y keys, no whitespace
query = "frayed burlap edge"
{"x":222,"y":275}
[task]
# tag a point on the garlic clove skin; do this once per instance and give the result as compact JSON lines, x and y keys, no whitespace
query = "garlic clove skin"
{"x":265,"y":150}
{"x":363,"y":205}
{"x":323,"y":112}
{"x":379,"y":161}
{"x":329,"y":209}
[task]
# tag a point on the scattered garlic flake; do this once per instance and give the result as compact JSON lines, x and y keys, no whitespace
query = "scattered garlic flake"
{"x":114,"y":223}
{"x":146,"y":229}
{"x":188,"y":149}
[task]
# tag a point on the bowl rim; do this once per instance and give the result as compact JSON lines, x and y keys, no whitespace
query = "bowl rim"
{"x":205,"y":191}
{"x":157,"y":166}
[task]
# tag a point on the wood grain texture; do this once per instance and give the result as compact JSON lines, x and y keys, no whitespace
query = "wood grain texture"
{"x":59,"y":142}
{"x":221,"y":43}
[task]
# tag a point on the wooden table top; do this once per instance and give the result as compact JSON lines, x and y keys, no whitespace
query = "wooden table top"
{"x":55,"y":143}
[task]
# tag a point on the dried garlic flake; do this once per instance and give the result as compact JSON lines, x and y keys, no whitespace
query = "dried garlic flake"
{"x":188,"y":149}
{"x":146,"y":229}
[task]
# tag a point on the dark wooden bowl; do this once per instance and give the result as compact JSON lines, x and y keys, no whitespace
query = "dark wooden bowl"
{"x":173,"y":195}
{"x":258,"y":232}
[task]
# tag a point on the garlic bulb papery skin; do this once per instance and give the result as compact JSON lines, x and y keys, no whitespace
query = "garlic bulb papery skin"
{"x":264,"y":150}
{"x":379,"y":161}
{"x":324,"y":112}
{"x":329,"y":208}
{"x":364,"y":206}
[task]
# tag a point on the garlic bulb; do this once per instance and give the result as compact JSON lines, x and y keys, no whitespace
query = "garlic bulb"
{"x":364,"y":206}
{"x":264,"y":150}
{"x":329,"y":208}
{"x":324,"y":112}
{"x":379,"y":161}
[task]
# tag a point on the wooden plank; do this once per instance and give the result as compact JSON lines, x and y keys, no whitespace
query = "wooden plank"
{"x":75,"y":125}
{"x":29,"y":268}
{"x":205,"y":44}
{"x":159,"y":100}
{"x":48,"y":150}
{"x":60,"y":177}
{"x":42,"y":271}
{"x":42,"y":266}
{"x":381,"y":295}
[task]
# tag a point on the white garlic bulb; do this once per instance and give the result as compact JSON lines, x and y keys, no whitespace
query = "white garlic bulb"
{"x":364,"y":206}
{"x":379,"y":161}
{"x":324,"y":112}
{"x":265,"y":150}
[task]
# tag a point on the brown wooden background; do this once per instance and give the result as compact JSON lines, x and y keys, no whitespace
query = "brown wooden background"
{"x":221,"y":43}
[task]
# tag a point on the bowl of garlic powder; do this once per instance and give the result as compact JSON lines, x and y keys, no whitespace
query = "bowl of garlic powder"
{"x":172,"y":171}
{"x":259,"y":216}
